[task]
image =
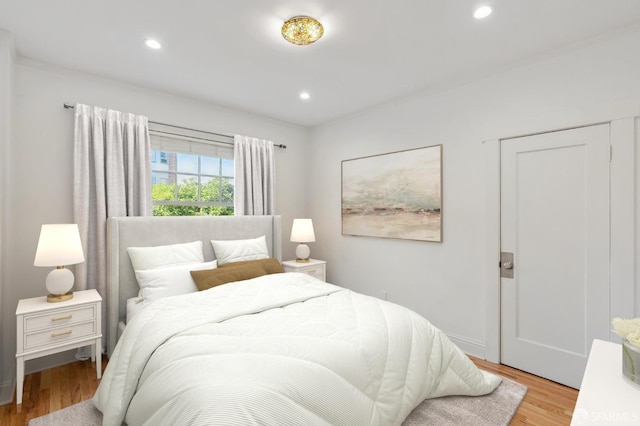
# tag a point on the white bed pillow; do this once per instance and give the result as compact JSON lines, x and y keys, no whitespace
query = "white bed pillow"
{"x":237,"y":250}
{"x":169,"y":281}
{"x":143,"y":258}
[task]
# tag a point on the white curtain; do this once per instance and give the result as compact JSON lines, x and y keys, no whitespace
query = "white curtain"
{"x":111,"y":177}
{"x":255,"y":176}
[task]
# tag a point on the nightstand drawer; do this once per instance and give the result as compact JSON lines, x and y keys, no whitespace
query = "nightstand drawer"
{"x":49,"y":320}
{"x":60,"y":334}
{"x":315,"y":268}
{"x":315,"y":272}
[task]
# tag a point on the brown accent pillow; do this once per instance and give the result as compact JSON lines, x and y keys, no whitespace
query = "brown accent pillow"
{"x":208,"y":278}
{"x":271,"y":265}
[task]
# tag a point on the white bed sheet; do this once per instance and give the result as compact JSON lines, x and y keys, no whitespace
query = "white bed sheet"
{"x":134,"y":305}
{"x":282,"y":349}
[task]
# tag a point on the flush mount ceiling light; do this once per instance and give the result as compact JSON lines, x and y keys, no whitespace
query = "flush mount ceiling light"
{"x":152,"y":44}
{"x":302,"y":30}
{"x":305,"y":95}
{"x":482,"y":12}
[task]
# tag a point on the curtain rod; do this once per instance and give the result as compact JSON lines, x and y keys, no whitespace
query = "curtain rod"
{"x":283,"y":146}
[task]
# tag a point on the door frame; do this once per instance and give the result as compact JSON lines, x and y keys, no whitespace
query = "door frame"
{"x":622,"y":216}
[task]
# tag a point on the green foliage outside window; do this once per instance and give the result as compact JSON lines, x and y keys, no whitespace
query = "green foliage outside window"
{"x":216,"y":189}
{"x":173,"y":210}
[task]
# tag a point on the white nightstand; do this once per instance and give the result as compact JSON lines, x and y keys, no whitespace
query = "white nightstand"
{"x":315,"y":268}
{"x":605,"y":396}
{"x":45,"y":328}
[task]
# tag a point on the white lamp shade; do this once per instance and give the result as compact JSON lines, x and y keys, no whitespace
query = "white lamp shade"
{"x":59,"y":245}
{"x":302,"y":231}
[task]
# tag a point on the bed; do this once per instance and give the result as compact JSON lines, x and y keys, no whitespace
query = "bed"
{"x":277,"y":349}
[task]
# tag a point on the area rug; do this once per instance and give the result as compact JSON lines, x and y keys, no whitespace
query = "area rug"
{"x":494,"y":409}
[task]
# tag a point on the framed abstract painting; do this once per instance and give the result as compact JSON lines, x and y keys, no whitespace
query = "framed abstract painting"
{"x":394,"y":195}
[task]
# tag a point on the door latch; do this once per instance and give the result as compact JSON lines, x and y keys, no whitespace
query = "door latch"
{"x":506,"y":264}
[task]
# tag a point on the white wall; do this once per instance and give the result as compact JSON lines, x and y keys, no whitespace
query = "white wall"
{"x":445,"y":282}
{"x":6,"y":89}
{"x":40,"y":179}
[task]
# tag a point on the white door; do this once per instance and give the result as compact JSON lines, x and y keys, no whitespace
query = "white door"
{"x":555,"y":221}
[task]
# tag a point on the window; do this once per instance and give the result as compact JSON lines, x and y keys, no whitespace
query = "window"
{"x":191,"y":176}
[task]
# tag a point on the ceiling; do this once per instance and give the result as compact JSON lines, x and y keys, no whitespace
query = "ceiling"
{"x":231,"y":52}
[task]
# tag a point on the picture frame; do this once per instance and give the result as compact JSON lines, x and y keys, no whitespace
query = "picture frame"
{"x":394,"y":195}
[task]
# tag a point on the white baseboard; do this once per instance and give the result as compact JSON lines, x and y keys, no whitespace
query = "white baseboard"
{"x":471,"y":347}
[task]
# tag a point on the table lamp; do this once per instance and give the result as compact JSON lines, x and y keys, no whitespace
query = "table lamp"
{"x":59,"y":245}
{"x":302,"y":232}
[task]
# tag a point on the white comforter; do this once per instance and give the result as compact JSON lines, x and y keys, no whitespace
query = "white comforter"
{"x":283,"y":349}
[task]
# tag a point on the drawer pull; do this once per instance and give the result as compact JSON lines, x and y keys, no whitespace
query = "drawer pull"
{"x":61,"y":333}
{"x":311,"y":271}
{"x":62,"y":318}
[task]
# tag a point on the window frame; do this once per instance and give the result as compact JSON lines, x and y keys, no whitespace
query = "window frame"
{"x":176,"y":186}
{"x":190,"y":142}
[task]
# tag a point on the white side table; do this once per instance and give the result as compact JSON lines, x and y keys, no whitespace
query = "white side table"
{"x":606,"y":397}
{"x":45,"y":328}
{"x":315,"y":268}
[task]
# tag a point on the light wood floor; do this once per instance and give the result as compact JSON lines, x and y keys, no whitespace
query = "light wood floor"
{"x":547,"y":403}
{"x":51,"y":390}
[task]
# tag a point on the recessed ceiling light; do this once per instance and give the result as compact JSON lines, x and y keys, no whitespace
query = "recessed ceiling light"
{"x":152,"y":44}
{"x":482,"y":12}
{"x":305,"y":95}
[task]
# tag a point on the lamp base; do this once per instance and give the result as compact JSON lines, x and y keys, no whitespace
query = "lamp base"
{"x":59,"y":283}
{"x":53,"y":298}
{"x":302,"y":253}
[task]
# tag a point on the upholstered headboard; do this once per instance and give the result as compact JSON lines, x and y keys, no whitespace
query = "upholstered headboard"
{"x":123,"y":232}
